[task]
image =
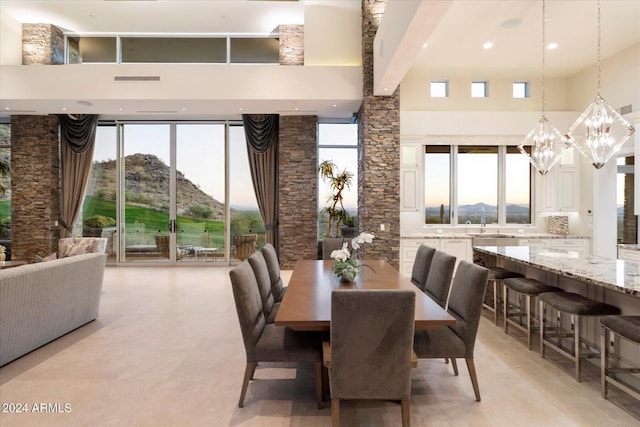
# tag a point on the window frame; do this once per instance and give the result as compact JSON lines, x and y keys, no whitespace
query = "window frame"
{"x":501,"y":191}
{"x":435,"y":82}
{"x":527,"y":87}
{"x":485,"y":88}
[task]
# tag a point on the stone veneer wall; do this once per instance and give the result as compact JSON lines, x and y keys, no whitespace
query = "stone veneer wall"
{"x":378,"y":152}
{"x":35,"y":186}
{"x":291,"y":44}
{"x":42,"y":44}
{"x":298,"y":183}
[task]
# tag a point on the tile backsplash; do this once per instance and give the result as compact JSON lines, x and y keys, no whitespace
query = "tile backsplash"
{"x":558,"y":224}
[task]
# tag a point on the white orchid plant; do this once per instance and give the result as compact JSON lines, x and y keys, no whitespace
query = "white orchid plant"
{"x":346,"y":261}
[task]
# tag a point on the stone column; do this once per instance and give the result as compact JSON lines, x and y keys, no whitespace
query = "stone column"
{"x":42,"y":44}
{"x":298,"y":181}
{"x":378,"y":152}
{"x":35,"y":186}
{"x":291,"y":44}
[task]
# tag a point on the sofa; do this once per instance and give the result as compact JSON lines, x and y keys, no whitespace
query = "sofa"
{"x":43,"y":301}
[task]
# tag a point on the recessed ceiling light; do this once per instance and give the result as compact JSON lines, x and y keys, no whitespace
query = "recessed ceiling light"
{"x":385,"y":89}
{"x":239,"y":108}
{"x":487,"y":45}
{"x":552,"y":45}
{"x":120,"y":108}
{"x":184,"y":108}
{"x":7,"y":108}
{"x":334,"y":105}
{"x":64,"y":108}
{"x":425,"y":45}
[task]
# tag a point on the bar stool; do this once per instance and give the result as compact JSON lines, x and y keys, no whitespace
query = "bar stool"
{"x":578,"y":306}
{"x":627,"y":328}
{"x":528,"y":289}
{"x":496,"y":277}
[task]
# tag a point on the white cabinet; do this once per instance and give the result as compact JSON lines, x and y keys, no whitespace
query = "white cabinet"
{"x":460,"y":248}
{"x":410,"y":182}
{"x":580,"y":246}
{"x":562,"y":185}
{"x":574,"y":245}
{"x":408,"y":250}
{"x":629,"y":254}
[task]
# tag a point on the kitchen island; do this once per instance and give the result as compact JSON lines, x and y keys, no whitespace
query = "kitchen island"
{"x":616,"y":275}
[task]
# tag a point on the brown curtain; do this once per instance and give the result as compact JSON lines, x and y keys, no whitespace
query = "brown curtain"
{"x":77,"y":137}
{"x":261,"y":131}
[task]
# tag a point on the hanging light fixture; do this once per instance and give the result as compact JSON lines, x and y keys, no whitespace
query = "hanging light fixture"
{"x":545,"y":140}
{"x":600,"y":131}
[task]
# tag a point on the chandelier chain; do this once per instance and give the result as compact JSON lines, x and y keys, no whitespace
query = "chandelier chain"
{"x":544,"y":99}
{"x":599,"y":36}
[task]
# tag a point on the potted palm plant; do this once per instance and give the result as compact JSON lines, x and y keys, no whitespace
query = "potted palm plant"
{"x":338,"y":181}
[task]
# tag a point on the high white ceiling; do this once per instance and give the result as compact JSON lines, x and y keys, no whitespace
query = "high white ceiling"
{"x":454,"y":47}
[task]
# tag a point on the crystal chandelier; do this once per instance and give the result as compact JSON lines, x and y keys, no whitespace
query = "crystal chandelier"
{"x":600,"y":131}
{"x":545,"y":140}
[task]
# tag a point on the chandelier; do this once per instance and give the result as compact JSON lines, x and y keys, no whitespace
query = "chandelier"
{"x":600,"y":131}
{"x":545,"y":140}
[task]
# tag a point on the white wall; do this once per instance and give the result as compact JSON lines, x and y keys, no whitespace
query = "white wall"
{"x":10,"y":41}
{"x":620,"y":82}
{"x":339,"y":44}
{"x":415,"y":96}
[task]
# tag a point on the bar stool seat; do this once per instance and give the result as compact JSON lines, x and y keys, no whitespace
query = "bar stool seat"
{"x":496,"y":276}
{"x":578,"y":306}
{"x":529,"y":289}
{"x":628,"y":328}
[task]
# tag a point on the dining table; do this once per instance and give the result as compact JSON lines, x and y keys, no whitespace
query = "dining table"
{"x":306,"y":305}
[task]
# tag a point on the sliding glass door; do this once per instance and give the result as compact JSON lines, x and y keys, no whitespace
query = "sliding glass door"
{"x":172,"y":193}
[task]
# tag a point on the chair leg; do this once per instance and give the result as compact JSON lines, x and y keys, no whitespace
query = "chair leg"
{"x":474,"y":379}
{"x":253,"y":370}
{"x":248,"y":373}
{"x":543,"y":326}
{"x":318,"y":368}
{"x":496,"y":289}
{"x":576,"y":343}
{"x":604,"y":359}
{"x":505,"y":307}
{"x":335,"y":412}
{"x":406,"y":419}
{"x":454,"y":365}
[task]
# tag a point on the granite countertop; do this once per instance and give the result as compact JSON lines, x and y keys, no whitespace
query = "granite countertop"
{"x":491,"y":235}
{"x":618,"y":275}
{"x":631,"y":246}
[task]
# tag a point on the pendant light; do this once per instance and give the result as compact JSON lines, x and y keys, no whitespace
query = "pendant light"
{"x":600,"y":131}
{"x":545,"y":140}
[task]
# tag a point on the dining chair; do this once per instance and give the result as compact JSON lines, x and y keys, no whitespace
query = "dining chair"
{"x":370,"y":356}
{"x":465,"y":304}
{"x":438,"y":283}
{"x":261,"y":272}
{"x":267,"y":342}
{"x":421,"y":265}
{"x":331,"y":244}
{"x":273,"y":264}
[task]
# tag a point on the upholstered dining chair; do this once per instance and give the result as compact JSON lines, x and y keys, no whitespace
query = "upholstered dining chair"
{"x":266,"y":342}
{"x":421,"y":265}
{"x":370,"y":356}
{"x":331,"y":244}
{"x":465,"y":304}
{"x":438,"y":283}
{"x":273,"y":264}
{"x":261,"y":272}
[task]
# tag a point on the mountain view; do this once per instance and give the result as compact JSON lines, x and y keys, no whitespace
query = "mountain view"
{"x":147,"y":184}
{"x":516,"y":214}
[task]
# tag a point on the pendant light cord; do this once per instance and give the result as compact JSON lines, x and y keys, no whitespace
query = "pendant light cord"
{"x":543,"y":48}
{"x":599,"y":35}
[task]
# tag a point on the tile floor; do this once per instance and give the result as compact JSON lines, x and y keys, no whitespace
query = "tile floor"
{"x":166,"y":350}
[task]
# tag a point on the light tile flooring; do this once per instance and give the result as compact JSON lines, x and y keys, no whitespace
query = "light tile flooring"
{"x":166,"y":350}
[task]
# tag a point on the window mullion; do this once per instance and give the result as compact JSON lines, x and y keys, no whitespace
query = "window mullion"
{"x":454,"y":186}
{"x":502,"y":167}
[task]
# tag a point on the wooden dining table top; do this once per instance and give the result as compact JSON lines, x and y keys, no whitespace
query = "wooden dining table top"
{"x":306,"y":305}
